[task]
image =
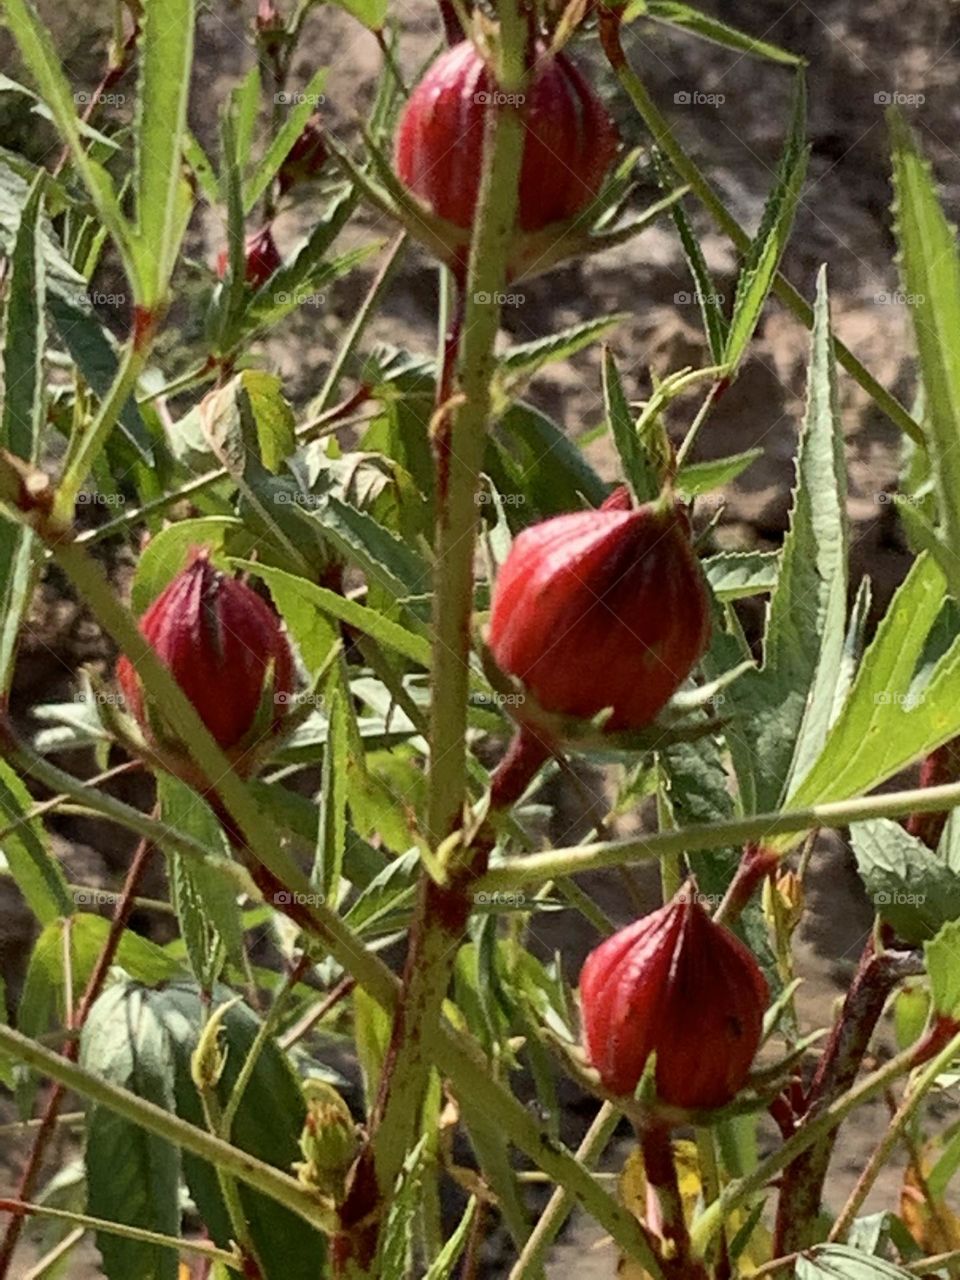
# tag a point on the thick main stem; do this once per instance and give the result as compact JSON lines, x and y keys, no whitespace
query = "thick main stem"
{"x":460,"y":434}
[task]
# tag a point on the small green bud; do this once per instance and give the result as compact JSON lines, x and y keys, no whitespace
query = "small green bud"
{"x":208,"y":1059}
{"x":329,"y":1140}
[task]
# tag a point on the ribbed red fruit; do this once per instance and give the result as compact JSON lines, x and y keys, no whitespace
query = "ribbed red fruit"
{"x":262,"y":258}
{"x":570,"y":140}
{"x":217,"y":637}
{"x":602,"y":609}
{"x":680,"y":986}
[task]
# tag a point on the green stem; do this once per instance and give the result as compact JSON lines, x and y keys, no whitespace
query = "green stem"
{"x":690,"y":439}
{"x":146,"y":1115}
{"x":85,"y":447}
{"x":84,"y":1220}
{"x":689,"y":173}
{"x":535,"y":868}
{"x":739,"y":1193}
{"x":229,"y":1191}
{"x":551,"y":1220}
{"x":460,"y":443}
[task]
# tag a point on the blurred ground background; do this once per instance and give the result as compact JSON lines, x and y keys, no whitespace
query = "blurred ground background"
{"x":860,"y":54}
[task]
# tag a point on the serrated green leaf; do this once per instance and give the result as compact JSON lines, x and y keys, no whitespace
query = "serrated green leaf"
{"x":735,"y":574}
{"x":707,"y":28}
{"x":132,"y":1176}
{"x":639,"y":470}
{"x":786,"y":706}
{"x":163,"y":194}
{"x":912,"y":888}
{"x":701,"y":477}
{"x":930,"y":269}
{"x":40,"y":56}
{"x":371,"y":1029}
{"x":887,"y":721}
{"x":544,"y":468}
{"x":527,"y":358}
{"x":23,"y":844}
{"x":245,"y":105}
{"x":760,"y":266}
{"x":25,"y":336}
{"x":443,"y":1264}
{"x":372,"y":13}
{"x":292,"y":127}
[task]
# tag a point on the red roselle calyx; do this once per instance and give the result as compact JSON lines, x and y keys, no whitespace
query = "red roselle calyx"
{"x":677,"y":985}
{"x":261,"y":258}
{"x":569,"y":145}
{"x":602,"y":609}
{"x":218,"y":639}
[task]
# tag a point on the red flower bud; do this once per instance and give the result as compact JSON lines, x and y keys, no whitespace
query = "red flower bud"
{"x":305,"y":158}
{"x":680,"y":986}
{"x":262,"y":258}
{"x":569,"y":145}
{"x":217,"y":637}
{"x":602,"y":609}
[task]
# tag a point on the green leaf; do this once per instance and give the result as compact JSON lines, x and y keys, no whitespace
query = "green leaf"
{"x":93,"y":353}
{"x":163,"y":200}
{"x":40,"y":56}
{"x":443,"y":1264}
{"x":371,"y":1028}
{"x":528,"y":358}
{"x":304,"y":106}
{"x":25,"y":336}
{"x":372,"y":13}
{"x":36,"y":872}
{"x":887,"y":722}
{"x":837,"y":1262}
{"x":132,"y":1176}
{"x":942,"y":957}
{"x":245,"y":105}
{"x":333,"y":796}
{"x":267,"y":1124}
{"x":735,"y":574}
{"x":785,"y":708}
{"x":913,"y":889}
{"x":707,"y":28}
{"x":930,"y":269}
{"x":390,"y":634}
{"x":709,"y":298}
{"x":396,"y":1241}
{"x":701,"y":477}
{"x":204,"y":899}
{"x":531,"y":457}
{"x":166,"y":553}
{"x":763,"y":258}
{"x":640,"y":471}
{"x":18,"y":550}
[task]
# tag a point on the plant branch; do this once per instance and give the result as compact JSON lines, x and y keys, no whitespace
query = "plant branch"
{"x":536,"y":868}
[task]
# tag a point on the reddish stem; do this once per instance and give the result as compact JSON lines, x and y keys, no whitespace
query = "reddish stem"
{"x":939,"y":767}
